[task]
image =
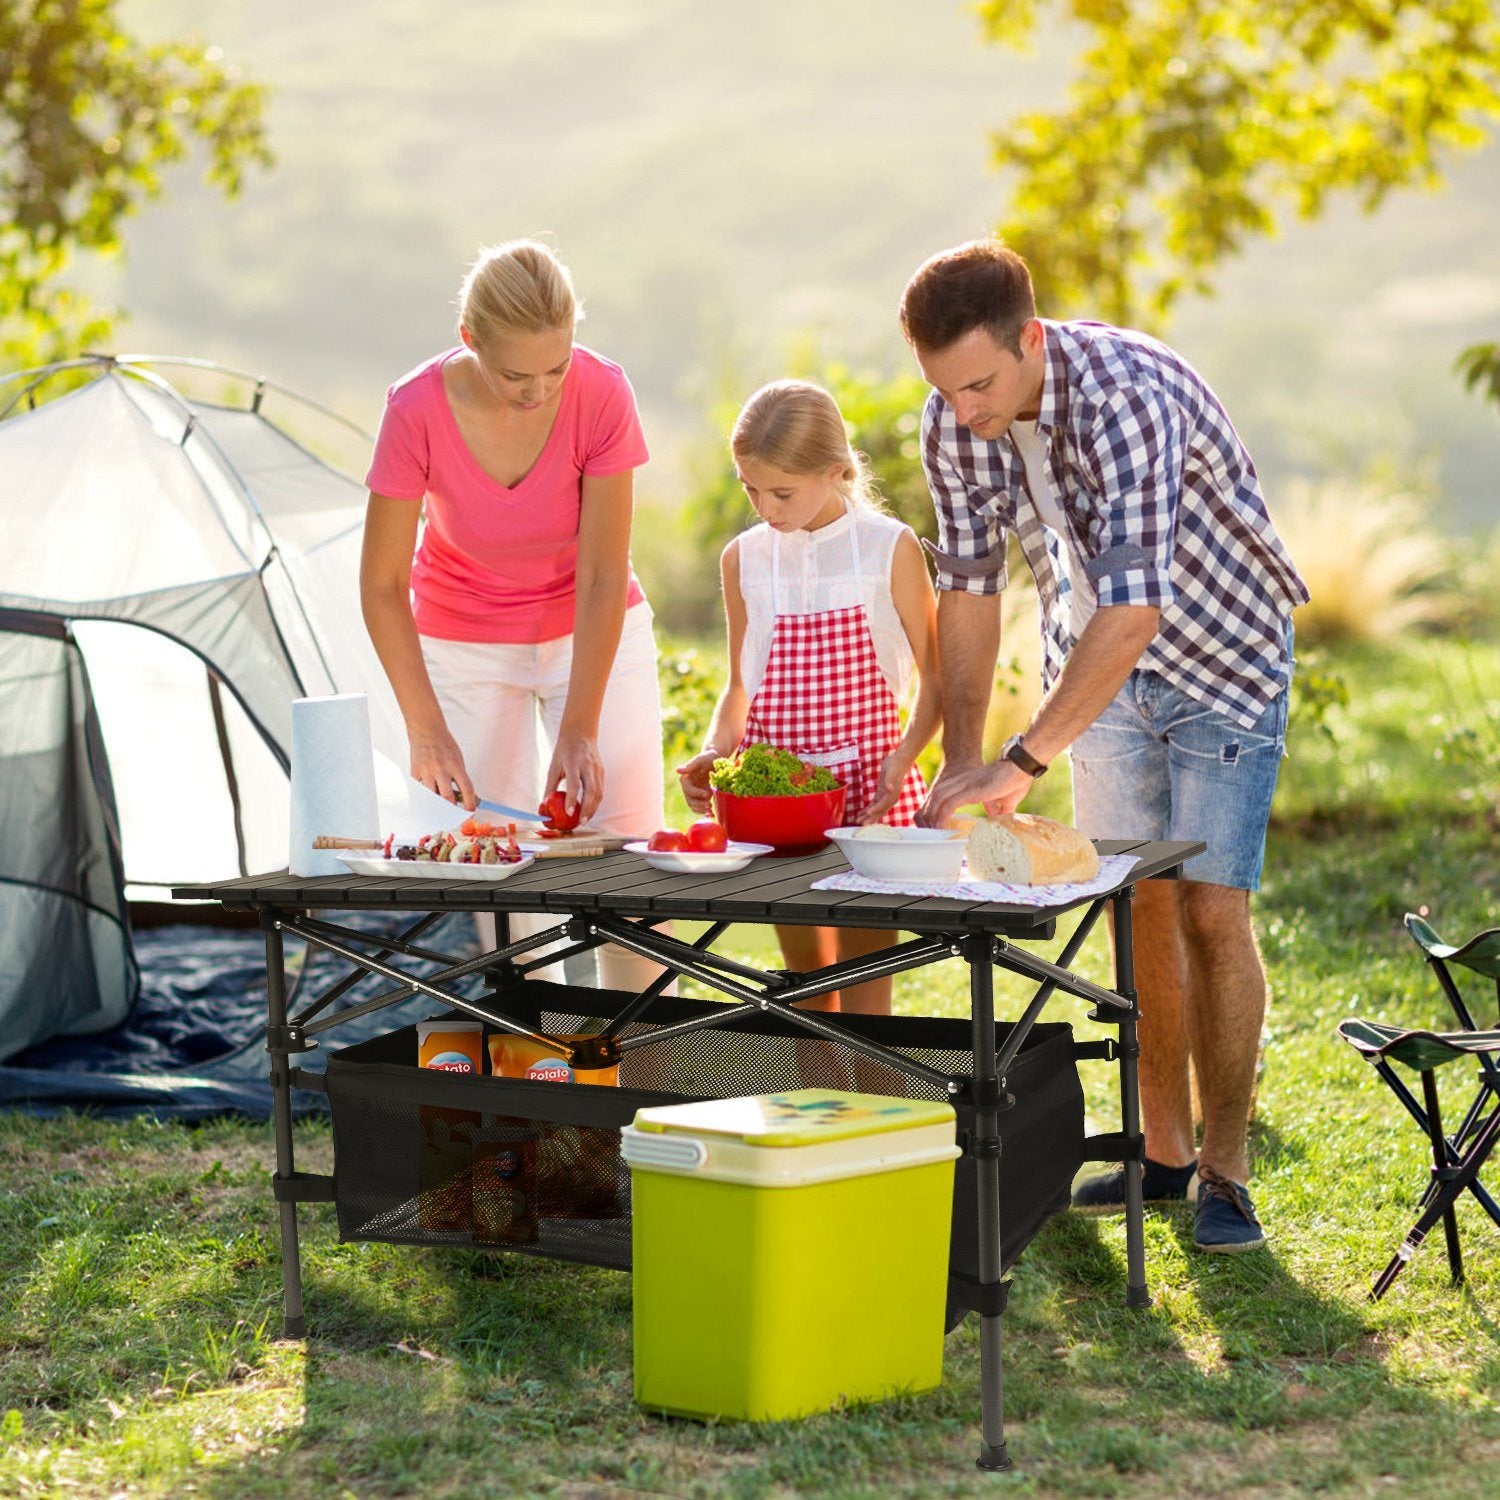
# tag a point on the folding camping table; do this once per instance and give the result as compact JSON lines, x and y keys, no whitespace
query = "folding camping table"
{"x":620,"y":899}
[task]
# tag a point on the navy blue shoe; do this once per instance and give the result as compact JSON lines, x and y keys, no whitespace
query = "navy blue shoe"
{"x":1105,"y":1194}
{"x":1226,"y":1221}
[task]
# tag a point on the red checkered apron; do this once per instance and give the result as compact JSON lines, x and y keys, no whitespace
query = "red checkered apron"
{"x":824,"y":697}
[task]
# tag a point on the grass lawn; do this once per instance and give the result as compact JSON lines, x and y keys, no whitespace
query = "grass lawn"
{"x":140,"y":1272}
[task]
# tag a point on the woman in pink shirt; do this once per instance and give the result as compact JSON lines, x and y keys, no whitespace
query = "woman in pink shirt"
{"x":515,"y":608}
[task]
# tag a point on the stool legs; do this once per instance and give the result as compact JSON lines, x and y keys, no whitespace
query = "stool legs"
{"x":1448,"y":1187}
{"x":1439,"y":1171}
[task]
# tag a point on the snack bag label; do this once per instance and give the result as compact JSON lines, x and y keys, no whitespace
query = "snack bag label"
{"x":550,"y":1070}
{"x":452,"y":1062}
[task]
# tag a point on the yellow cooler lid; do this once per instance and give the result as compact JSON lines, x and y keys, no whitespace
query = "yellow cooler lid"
{"x":799,"y":1117}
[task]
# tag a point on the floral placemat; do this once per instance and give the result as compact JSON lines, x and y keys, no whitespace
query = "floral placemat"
{"x":1113,"y":868}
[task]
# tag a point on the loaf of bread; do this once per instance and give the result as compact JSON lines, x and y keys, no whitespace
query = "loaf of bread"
{"x":1024,"y":849}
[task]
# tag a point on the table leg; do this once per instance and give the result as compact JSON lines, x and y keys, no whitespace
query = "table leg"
{"x":1136,"y":1294}
{"x":992,"y":1454}
{"x":281,"y":1117}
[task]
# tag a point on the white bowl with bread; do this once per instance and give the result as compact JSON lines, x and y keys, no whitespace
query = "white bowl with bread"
{"x":1026,"y":849}
{"x":885,"y":853}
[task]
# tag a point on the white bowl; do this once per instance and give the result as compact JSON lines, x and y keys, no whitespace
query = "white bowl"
{"x":913,"y":854}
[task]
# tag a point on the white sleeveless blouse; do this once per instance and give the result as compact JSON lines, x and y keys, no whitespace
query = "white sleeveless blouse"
{"x":810,"y":572}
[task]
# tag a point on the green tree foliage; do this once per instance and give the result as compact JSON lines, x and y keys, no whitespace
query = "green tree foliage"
{"x":1479,"y":365}
{"x":89,"y":119}
{"x":1194,"y":125}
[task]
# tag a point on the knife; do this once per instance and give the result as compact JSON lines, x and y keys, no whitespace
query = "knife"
{"x":485,"y":805}
{"x":534,"y":816}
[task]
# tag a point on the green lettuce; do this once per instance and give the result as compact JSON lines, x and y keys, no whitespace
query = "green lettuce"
{"x":765,"y":771}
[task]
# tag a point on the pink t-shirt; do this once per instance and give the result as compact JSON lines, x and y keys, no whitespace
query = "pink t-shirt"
{"x":497,"y":562}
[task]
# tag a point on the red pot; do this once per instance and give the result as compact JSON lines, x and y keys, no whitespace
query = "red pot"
{"x":790,"y":825}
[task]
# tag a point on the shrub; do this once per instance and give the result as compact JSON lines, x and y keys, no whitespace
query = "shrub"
{"x":1372,"y":561}
{"x":1479,"y":586}
{"x":690,"y":686}
{"x":1468,"y":724}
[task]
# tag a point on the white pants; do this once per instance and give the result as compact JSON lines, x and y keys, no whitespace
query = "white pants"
{"x":504,"y":703}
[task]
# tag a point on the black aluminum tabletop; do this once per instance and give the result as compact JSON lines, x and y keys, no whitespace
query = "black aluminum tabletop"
{"x":623,"y":884}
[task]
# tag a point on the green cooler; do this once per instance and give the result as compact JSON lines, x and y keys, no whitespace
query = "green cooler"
{"x":790,"y":1251}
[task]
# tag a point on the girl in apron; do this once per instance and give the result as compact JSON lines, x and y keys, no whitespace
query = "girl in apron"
{"x":830,"y":612}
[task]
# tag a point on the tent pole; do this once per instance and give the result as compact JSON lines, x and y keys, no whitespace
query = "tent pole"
{"x":226,"y":755}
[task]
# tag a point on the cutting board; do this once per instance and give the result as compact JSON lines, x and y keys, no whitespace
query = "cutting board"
{"x":587,"y":837}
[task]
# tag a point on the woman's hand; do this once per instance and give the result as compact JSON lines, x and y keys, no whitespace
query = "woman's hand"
{"x":576,"y":767}
{"x":693,"y":775}
{"x":888,"y":786}
{"x":438,"y":763}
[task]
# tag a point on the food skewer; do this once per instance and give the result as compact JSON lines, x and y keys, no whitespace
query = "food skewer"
{"x":551,"y":851}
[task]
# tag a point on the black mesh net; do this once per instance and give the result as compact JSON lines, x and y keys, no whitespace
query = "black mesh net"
{"x":432,"y":1157}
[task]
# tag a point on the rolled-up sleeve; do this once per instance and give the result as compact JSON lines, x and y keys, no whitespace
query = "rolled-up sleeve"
{"x":1134,"y":461}
{"x":970,"y":551}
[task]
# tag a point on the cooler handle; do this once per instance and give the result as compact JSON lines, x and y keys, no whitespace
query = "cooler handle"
{"x":650,"y":1148}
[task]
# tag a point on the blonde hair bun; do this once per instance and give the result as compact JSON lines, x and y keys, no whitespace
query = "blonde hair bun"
{"x":517,"y":287}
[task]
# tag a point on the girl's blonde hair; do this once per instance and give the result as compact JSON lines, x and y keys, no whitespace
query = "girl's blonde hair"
{"x":517,"y":287}
{"x":797,"y":427}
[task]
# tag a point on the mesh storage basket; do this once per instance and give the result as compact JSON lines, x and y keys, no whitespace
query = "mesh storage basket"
{"x":430,"y":1157}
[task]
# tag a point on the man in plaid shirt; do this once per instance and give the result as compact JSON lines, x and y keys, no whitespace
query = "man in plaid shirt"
{"x":1166,"y":599}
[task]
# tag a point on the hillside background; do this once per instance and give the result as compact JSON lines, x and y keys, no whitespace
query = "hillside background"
{"x":731,"y":184}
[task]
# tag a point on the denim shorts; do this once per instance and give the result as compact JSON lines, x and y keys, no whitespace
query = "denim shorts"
{"x":1157,"y":764}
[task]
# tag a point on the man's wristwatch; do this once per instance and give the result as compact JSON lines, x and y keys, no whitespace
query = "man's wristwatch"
{"x":1018,"y":755}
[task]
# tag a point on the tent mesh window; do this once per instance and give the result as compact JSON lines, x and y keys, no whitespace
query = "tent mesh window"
{"x":66,"y":963}
{"x":437,"y":1158}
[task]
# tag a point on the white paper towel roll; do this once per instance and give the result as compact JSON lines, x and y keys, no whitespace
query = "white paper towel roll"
{"x":333,"y":779}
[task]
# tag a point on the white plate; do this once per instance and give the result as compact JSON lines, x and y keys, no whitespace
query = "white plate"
{"x":684,"y":862}
{"x":431,"y":869}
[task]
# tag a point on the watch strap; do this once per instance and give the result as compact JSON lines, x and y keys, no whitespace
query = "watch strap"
{"x":1018,"y":755}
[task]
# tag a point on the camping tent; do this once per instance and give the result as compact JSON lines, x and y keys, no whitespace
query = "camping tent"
{"x":174,"y":572}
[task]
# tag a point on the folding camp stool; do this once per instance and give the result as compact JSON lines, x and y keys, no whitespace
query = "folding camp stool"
{"x":1457,"y":1158}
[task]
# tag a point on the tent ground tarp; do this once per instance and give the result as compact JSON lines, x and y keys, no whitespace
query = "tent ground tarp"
{"x":194,"y":1045}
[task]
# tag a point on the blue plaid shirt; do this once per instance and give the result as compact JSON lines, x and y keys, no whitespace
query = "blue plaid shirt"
{"x":1164,"y":503}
